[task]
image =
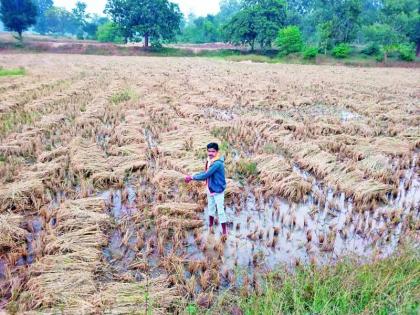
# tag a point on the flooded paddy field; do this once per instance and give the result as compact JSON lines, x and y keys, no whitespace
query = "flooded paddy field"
{"x":322,"y":165}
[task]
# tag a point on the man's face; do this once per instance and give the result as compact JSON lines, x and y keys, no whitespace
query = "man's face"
{"x":211,"y":153}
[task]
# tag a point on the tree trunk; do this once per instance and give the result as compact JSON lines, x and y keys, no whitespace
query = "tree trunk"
{"x":418,"y":49}
{"x":20,"y":35}
{"x":146,"y":40}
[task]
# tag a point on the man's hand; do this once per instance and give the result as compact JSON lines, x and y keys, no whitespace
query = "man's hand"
{"x":188,"y":178}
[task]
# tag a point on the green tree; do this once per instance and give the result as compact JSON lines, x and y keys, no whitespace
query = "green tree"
{"x":258,"y":22}
{"x":42,"y":7}
{"x":109,"y":32}
{"x":289,"y":40}
{"x":92,"y":24}
{"x":325,"y":35}
{"x":18,"y":15}
{"x":383,"y":35}
{"x":156,"y":19}
{"x":81,"y":17}
{"x":403,"y":16}
{"x":342,"y":17}
{"x":60,"y":21}
{"x":242,"y":29}
{"x":228,"y":8}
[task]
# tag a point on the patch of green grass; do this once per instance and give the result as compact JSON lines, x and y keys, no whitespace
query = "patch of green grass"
{"x":123,"y":96}
{"x":12,"y":119}
{"x":246,"y":168}
{"x":389,"y":286}
{"x":12,"y":72}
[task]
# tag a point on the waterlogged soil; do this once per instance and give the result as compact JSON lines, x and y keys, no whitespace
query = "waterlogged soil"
{"x":269,"y":234}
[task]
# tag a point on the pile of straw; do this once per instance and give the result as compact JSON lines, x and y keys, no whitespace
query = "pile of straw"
{"x":11,"y":234}
{"x":21,"y":195}
{"x":86,"y":158}
{"x":65,"y":278}
{"x":167,"y":179}
{"x":26,"y":143}
{"x":175,"y":215}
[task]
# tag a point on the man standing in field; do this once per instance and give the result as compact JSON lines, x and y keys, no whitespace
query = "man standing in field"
{"x":214,"y":175}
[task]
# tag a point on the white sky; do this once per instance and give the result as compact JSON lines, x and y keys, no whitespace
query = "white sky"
{"x":198,"y":7}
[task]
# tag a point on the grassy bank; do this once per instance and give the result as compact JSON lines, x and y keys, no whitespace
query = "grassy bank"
{"x":390,"y":286}
{"x":258,"y":56}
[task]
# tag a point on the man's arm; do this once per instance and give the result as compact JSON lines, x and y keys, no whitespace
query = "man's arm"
{"x":204,"y":175}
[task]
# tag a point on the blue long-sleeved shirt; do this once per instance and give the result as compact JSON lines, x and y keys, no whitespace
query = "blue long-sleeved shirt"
{"x":215,"y":176}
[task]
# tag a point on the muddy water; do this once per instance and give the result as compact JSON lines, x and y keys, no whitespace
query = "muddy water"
{"x":120,"y":252}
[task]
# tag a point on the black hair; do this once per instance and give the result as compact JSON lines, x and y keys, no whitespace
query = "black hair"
{"x":213,"y":145}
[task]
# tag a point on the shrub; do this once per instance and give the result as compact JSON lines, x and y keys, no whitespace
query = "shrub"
{"x":341,"y":51}
{"x":406,"y":52}
{"x":109,"y":32}
{"x":380,"y":57}
{"x":310,"y":52}
{"x":289,"y":40}
{"x":372,"y":49}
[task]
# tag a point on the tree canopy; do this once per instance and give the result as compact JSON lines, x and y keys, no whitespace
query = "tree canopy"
{"x":257,"y":22}
{"x":18,"y":15}
{"x":148,"y":19}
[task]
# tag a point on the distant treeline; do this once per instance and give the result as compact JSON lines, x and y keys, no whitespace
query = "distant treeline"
{"x":382,"y":27}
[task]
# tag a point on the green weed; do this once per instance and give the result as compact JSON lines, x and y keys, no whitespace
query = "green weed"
{"x":123,"y":96}
{"x":12,"y":72}
{"x":389,"y":286}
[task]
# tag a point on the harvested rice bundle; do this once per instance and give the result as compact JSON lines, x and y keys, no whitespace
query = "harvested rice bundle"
{"x":85,"y":243}
{"x":293,"y":188}
{"x":152,"y":296}
{"x":94,"y":204}
{"x":377,"y":166}
{"x":49,"y":122}
{"x":26,"y":143}
{"x":185,"y":163}
{"x":180,"y":209}
{"x":173,"y":142}
{"x":74,"y":218}
{"x":167,"y":179}
{"x":136,"y":149}
{"x":322,"y":128}
{"x":166,"y":222}
{"x":104,"y":179}
{"x":320,"y":163}
{"x":11,"y":234}
{"x":21,"y":195}
{"x":131,"y":131}
{"x":123,"y":165}
{"x":51,"y":155}
{"x":233,"y":189}
{"x":62,"y":283}
{"x":64,"y":278}
{"x":272,"y":167}
{"x":392,"y":146}
{"x":86,"y":157}
{"x":91,"y":118}
{"x":353,"y":183}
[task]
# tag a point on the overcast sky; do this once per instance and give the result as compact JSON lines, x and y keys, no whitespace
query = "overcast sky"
{"x":198,"y":7}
